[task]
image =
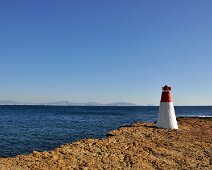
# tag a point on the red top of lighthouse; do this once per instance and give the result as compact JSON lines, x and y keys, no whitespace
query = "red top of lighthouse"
{"x":166,"y":88}
{"x":166,"y":94}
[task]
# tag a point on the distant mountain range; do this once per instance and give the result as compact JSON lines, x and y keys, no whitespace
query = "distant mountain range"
{"x":67,"y":103}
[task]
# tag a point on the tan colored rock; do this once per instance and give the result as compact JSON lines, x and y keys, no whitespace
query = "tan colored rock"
{"x":139,"y":146}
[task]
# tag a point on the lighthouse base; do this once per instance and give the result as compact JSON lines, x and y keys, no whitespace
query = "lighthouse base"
{"x":166,"y":116}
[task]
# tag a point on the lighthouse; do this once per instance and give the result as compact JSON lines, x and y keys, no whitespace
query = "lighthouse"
{"x":166,"y":114}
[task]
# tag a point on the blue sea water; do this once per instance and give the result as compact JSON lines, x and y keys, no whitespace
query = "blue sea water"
{"x":24,"y":129}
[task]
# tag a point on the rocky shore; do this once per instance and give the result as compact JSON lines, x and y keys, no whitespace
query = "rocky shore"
{"x":139,"y":146}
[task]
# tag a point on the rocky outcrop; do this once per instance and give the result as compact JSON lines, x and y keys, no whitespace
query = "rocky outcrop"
{"x":139,"y":146}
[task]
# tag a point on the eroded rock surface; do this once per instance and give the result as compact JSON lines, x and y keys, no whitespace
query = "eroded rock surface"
{"x":140,"y":146}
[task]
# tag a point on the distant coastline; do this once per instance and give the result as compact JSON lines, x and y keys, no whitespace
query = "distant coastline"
{"x":68,"y":103}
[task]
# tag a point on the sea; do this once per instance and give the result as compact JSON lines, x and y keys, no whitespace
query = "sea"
{"x":24,"y":129}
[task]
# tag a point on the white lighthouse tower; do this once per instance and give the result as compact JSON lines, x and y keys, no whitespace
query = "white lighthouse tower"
{"x":166,"y":113}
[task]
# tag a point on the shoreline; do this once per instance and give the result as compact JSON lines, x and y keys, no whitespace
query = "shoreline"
{"x":140,"y":145}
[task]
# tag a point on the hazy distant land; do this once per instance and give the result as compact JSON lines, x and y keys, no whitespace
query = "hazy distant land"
{"x":67,"y":103}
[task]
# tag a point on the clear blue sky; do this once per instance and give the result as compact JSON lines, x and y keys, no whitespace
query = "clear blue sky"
{"x":106,"y":50}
